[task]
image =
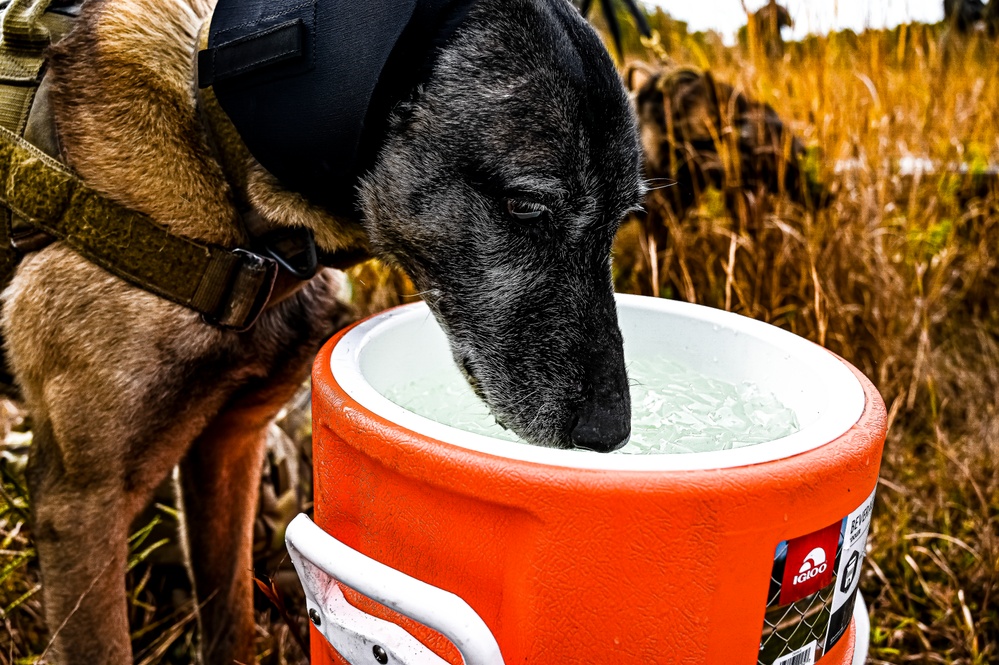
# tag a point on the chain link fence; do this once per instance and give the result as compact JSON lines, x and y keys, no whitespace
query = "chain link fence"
{"x":789,"y":628}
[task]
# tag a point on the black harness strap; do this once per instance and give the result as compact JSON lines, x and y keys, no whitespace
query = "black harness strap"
{"x":281,"y":43}
{"x":294,"y":248}
{"x":309,"y":84}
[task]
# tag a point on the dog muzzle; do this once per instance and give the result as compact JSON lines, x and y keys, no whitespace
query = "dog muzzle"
{"x":310,"y":85}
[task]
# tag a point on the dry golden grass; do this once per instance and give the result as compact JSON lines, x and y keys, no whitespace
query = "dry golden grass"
{"x":899,"y":276}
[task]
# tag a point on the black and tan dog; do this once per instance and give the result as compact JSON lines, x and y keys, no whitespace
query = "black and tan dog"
{"x":966,"y":15}
{"x":498,"y":184}
{"x":699,"y":132}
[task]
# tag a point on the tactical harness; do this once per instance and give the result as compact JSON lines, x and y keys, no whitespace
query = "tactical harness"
{"x":43,"y":201}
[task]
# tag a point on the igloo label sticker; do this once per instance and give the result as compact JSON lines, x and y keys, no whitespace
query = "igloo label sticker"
{"x":809,"y":564}
{"x":813,"y":588}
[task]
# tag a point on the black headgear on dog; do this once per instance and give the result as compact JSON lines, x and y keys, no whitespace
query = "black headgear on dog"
{"x":309,"y":84}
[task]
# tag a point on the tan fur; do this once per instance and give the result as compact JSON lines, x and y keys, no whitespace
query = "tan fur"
{"x":124,"y":104}
{"x":637,"y":74}
{"x":123,"y":385}
{"x":285,"y":208}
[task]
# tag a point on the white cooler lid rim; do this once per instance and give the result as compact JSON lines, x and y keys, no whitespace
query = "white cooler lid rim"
{"x":847,"y":398}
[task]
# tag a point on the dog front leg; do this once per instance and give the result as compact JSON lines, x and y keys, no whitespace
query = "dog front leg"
{"x":80,"y":531}
{"x":221,"y":481}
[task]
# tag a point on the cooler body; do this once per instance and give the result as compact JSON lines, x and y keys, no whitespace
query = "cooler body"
{"x":754,"y":563}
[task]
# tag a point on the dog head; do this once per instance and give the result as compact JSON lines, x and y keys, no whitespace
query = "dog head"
{"x":964,"y":14}
{"x":498,"y":188}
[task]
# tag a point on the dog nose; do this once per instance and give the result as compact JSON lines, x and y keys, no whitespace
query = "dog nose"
{"x":603,"y":415}
{"x":603,"y":427}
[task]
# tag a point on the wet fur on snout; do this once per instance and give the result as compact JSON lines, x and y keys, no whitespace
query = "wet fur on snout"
{"x":528,"y":108}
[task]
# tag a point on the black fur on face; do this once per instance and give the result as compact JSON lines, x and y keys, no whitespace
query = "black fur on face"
{"x":499,"y":190}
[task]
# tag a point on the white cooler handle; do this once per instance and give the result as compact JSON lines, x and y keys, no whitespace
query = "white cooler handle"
{"x":862,"y":624}
{"x":321,"y":561}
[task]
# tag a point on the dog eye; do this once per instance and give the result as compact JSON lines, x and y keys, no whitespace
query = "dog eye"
{"x":523,"y":211}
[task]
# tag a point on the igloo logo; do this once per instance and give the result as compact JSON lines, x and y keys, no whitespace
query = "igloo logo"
{"x":808,"y":564}
{"x":815,"y":564}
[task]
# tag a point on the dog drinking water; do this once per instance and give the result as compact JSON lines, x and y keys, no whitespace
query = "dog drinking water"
{"x":491,"y":156}
{"x":675,"y":408}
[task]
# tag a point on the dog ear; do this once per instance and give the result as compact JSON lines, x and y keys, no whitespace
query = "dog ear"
{"x":637,"y":74}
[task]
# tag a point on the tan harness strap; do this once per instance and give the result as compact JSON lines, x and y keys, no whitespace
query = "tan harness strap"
{"x":22,"y":24}
{"x":22,"y":47}
{"x":230,"y":288}
{"x":24,"y":39}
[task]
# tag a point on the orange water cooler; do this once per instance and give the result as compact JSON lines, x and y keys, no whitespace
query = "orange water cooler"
{"x":431,"y":545}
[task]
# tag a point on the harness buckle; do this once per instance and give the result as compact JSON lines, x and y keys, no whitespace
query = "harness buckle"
{"x":30,"y":240}
{"x":249,"y":292}
{"x":294,"y":249}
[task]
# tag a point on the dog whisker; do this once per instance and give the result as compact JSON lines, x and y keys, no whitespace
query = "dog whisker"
{"x":671,"y":183}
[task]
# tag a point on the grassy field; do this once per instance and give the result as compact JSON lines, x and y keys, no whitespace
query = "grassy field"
{"x":898,"y":275}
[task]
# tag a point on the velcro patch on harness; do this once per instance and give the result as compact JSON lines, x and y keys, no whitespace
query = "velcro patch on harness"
{"x":35,"y":190}
{"x":280,"y":43}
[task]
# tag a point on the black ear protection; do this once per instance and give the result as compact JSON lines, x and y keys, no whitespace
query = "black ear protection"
{"x":308,"y":84}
